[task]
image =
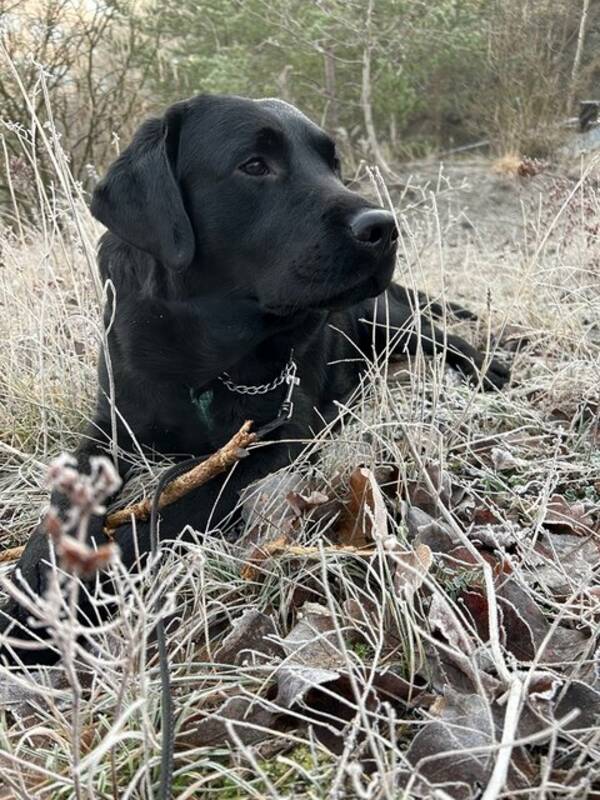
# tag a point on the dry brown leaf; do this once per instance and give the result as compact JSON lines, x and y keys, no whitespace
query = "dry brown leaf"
{"x":462,"y":664}
{"x":250,"y":718}
{"x":361,"y":511}
{"x":273,"y":509}
{"x":251,"y":638}
{"x":475,"y":602}
{"x":462,"y":722}
{"x":301,"y":503}
{"x":458,"y":722}
{"x":264,"y":504}
{"x":410,"y":569}
{"x":442,"y":618}
{"x":313,"y":656}
{"x":562,"y":562}
{"x":499,"y":536}
{"x":251,"y":569}
{"x":564,"y":517}
{"x":23,"y":695}
{"x":504,"y":461}
{"x":525,"y":627}
{"x":445,"y":491}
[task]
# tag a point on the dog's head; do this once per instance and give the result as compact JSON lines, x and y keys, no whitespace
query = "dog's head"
{"x":247,"y":195}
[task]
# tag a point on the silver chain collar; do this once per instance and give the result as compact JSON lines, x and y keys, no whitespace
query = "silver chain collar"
{"x":287,"y":375}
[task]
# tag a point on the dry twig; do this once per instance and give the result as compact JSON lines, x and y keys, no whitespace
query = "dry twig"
{"x":11,"y":554}
{"x":218,"y":462}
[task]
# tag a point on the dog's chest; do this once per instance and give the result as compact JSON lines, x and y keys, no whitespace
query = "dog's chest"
{"x":220,"y":413}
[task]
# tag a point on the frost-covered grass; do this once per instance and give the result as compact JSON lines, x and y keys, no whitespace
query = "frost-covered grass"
{"x":464,"y":621}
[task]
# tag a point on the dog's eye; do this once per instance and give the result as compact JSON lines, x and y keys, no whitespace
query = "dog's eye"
{"x":255,"y":167}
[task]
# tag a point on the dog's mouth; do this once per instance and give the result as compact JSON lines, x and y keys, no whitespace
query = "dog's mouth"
{"x":371,"y":286}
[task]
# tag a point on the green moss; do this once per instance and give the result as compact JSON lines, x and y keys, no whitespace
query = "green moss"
{"x":456,"y":581}
{"x":289,"y":776}
{"x":363,"y":650}
{"x":577,"y":493}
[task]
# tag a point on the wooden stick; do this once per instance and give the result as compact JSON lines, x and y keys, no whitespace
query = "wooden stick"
{"x":11,"y":553}
{"x":279,"y":547}
{"x":315,"y":552}
{"x":218,"y":462}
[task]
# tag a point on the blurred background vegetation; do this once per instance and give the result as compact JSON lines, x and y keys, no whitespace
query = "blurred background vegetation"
{"x":392,"y":79}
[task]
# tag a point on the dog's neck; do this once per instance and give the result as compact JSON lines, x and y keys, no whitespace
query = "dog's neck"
{"x":267,"y":361}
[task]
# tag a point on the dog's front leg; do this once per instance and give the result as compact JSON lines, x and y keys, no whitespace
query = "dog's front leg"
{"x":207,"y":507}
{"x":400,"y":330}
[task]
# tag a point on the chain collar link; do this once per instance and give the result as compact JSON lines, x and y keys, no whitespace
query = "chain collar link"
{"x":239,"y":388}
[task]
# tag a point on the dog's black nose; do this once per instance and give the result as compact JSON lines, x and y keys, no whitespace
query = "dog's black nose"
{"x":374,"y":226}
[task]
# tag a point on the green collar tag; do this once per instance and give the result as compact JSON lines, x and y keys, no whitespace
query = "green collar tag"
{"x":202,"y":403}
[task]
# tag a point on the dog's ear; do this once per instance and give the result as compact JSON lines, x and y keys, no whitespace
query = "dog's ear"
{"x":139,"y":199}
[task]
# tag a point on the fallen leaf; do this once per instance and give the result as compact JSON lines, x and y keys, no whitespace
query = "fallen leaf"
{"x":475,"y":602}
{"x":312,"y":653}
{"x":421,"y":496}
{"x":251,"y":569}
{"x":393,"y":687}
{"x":504,"y":461}
{"x":264,"y":505}
{"x":424,"y":529}
{"x":364,"y":514}
{"x":584,"y":698}
{"x":410,"y":569}
{"x":564,"y":517}
{"x":461,"y":663}
{"x":518,"y":637}
{"x":250,"y":639}
{"x":484,"y":515}
{"x":499,"y":536}
{"x":250,"y":717}
{"x":25,"y":694}
{"x":436,"y":538}
{"x":550,"y":699}
{"x":444,"y":619}
{"x":301,"y":503}
{"x":543,"y":686}
{"x":562,"y":562}
{"x":526,"y":627}
{"x":456,"y":722}
{"x":462,"y":722}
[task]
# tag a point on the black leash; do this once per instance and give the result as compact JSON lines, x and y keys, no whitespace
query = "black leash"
{"x":166,"y":699}
{"x":284,"y":414}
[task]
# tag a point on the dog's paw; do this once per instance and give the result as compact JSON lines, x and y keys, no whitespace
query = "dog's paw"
{"x":496,"y":376}
{"x":459,"y":312}
{"x":441,"y":310}
{"x":476,"y":366}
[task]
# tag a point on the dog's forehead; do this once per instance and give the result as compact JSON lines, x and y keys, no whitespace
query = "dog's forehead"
{"x":223,"y":118}
{"x":283,"y":110}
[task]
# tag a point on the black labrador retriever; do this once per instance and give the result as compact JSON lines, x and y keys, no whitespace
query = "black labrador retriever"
{"x":237,"y":255}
